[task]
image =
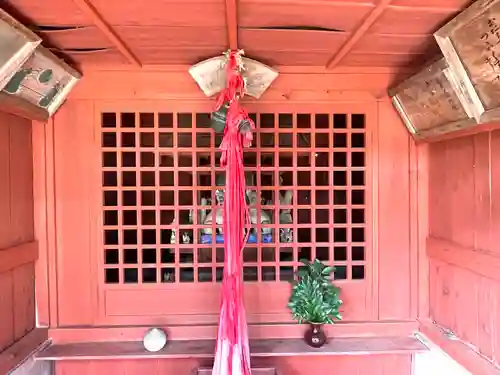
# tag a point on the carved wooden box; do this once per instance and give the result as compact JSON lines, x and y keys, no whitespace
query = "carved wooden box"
{"x":430,"y":103}
{"x":17,"y":43}
{"x":471,"y":45}
{"x":39,"y":87}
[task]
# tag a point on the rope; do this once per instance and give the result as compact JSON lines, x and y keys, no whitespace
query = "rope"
{"x":232,"y":355}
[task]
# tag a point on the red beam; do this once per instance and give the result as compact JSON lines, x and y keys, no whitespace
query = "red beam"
{"x":358,"y":34}
{"x":14,"y":257}
{"x":87,"y":7}
{"x":232,"y":24}
{"x":473,"y":260}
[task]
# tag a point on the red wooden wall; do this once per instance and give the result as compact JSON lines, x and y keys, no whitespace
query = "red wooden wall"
{"x":68,"y":179}
{"x":71,"y":186}
{"x":464,"y":243}
{"x":18,"y":251}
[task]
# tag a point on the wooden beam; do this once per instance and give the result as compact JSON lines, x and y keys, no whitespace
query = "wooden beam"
{"x":204,"y":349}
{"x":147,"y":84}
{"x":232,"y":24}
{"x":473,"y":260}
{"x":14,"y":257}
{"x":358,"y":33}
{"x":87,"y":7}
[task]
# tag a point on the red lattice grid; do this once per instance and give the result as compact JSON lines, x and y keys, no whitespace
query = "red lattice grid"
{"x":158,"y":166}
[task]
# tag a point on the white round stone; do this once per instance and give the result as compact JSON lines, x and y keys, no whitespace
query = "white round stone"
{"x":155,"y":340}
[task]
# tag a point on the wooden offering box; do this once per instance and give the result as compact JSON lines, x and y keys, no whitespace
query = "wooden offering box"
{"x":39,"y":87}
{"x":430,"y":102}
{"x":471,"y":46}
{"x":17,"y":43}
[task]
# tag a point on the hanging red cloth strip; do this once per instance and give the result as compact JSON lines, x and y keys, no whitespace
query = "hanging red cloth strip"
{"x":232,"y":356}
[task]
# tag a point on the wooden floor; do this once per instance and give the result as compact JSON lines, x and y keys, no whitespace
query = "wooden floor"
{"x":258,"y":348}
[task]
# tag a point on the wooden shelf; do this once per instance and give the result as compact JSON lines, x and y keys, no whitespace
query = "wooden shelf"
{"x":258,"y":348}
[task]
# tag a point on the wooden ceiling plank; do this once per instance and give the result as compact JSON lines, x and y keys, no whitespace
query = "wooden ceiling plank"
{"x":431,"y":6}
{"x":358,"y":33}
{"x":87,"y":7}
{"x":232,"y":24}
{"x":280,"y":40}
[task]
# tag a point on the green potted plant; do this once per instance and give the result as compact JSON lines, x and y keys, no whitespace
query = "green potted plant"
{"x":315,"y":300}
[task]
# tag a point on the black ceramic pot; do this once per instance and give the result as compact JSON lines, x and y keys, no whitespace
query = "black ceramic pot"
{"x":315,"y":336}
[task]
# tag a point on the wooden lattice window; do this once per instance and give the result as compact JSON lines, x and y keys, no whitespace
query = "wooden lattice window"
{"x":306,"y":174}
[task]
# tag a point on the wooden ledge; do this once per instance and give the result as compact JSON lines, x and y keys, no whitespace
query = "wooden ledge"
{"x":257,"y":331}
{"x":258,"y":348}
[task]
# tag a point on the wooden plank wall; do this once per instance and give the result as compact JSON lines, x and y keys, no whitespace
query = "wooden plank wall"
{"x":76,"y":180}
{"x":18,"y":250}
{"x":345,"y":365}
{"x":464,"y":243}
{"x":72,"y":193}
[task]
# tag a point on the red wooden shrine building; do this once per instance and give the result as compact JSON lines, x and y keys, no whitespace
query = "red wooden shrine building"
{"x":91,"y":198}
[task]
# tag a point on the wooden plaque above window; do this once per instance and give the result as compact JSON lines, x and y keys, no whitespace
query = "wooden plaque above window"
{"x":430,"y":103}
{"x":39,"y":86}
{"x":471,"y":45}
{"x":17,"y":43}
